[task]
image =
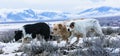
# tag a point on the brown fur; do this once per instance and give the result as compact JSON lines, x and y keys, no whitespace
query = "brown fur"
{"x":61,"y":30}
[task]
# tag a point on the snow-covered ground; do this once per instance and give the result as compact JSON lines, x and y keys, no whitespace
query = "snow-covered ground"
{"x":109,"y":44}
{"x":9,"y":49}
{"x":19,"y":25}
{"x":86,"y":46}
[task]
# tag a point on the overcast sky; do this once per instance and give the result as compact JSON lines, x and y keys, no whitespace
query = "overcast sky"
{"x":65,"y":5}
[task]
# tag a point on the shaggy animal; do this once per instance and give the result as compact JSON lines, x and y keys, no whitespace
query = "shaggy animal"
{"x":80,"y":28}
{"x":31,"y":30}
{"x":61,"y":30}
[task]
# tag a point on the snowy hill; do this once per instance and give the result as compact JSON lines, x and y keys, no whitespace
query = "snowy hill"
{"x":29,"y":15}
{"x":100,"y":12}
{"x":7,"y":15}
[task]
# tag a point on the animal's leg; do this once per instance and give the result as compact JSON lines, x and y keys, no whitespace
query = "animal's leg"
{"x":77,"y":41}
{"x":67,"y":41}
{"x":99,"y":31}
{"x":58,"y":41}
{"x":78,"y":36}
{"x":70,"y":38}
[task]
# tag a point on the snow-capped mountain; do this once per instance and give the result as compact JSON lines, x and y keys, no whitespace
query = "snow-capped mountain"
{"x":7,"y":15}
{"x":29,"y":15}
{"x":102,"y":11}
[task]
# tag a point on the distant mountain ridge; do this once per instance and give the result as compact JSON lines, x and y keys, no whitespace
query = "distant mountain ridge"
{"x":100,"y":11}
{"x":30,"y":15}
{"x":7,"y":15}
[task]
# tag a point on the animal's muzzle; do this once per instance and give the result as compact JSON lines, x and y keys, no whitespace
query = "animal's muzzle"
{"x":68,"y":29}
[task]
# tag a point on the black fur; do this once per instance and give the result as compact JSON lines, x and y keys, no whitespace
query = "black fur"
{"x":18,"y":35}
{"x":72,"y":24}
{"x":37,"y":28}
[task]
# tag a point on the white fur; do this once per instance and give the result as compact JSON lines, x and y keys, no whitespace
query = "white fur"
{"x":84,"y":26}
{"x":24,"y":34}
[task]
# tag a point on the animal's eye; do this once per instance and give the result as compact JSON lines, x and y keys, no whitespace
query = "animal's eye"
{"x":55,"y":29}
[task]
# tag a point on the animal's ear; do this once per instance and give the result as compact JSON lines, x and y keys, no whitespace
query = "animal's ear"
{"x":60,"y":26}
{"x":72,"y":24}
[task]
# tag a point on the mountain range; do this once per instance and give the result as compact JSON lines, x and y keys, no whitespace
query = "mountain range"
{"x":102,"y":11}
{"x":8,"y":15}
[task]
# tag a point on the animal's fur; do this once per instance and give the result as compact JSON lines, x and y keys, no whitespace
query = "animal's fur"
{"x":61,"y":30}
{"x":31,"y":30}
{"x":80,"y":28}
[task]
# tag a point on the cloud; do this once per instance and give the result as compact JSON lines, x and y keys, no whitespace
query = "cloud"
{"x":112,"y":3}
{"x":97,"y":1}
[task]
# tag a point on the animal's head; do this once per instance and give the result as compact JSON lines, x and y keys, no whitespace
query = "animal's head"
{"x":70,"y":25}
{"x":18,"y":35}
{"x":59,"y":28}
